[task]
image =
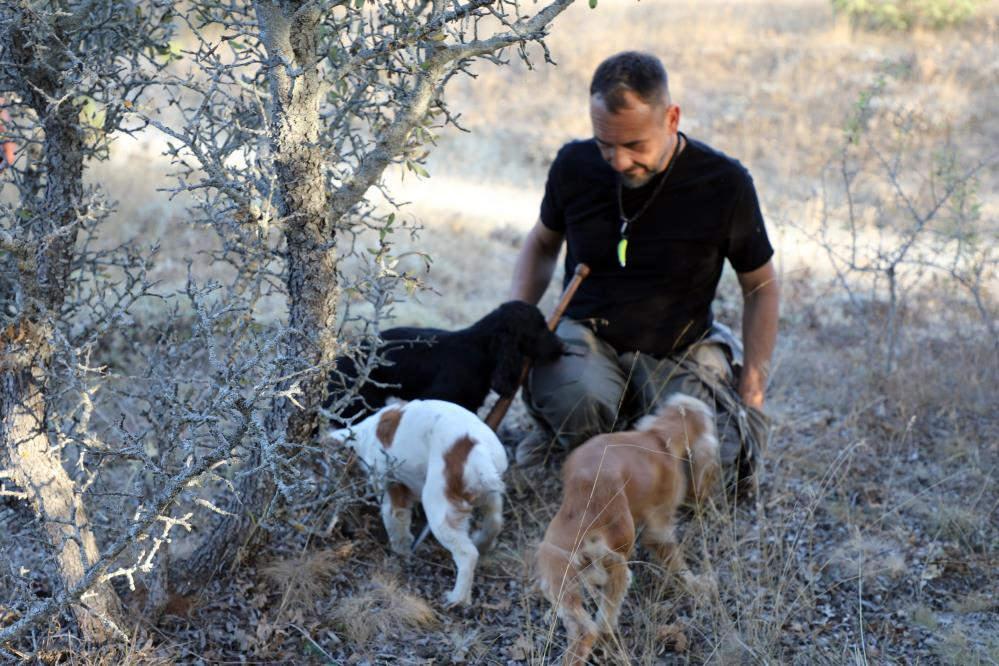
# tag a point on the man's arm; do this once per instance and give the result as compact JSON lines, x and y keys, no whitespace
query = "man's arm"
{"x":535,"y":264}
{"x":761,"y":307}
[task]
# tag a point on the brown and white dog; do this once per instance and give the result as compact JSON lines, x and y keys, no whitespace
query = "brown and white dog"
{"x":446,"y":456}
{"x":612,"y":483}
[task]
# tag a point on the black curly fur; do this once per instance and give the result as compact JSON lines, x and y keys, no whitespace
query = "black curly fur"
{"x":457,"y":366}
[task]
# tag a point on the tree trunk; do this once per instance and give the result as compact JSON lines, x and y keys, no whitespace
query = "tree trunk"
{"x":36,"y":463}
{"x":289,"y":33}
{"x":37,"y":468}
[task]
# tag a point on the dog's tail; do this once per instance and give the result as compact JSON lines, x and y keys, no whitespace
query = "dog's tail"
{"x":593,"y":559}
{"x":698,"y":445}
{"x":486,"y":464}
{"x":490,"y":481}
{"x":561,"y":577}
{"x":705,"y":464}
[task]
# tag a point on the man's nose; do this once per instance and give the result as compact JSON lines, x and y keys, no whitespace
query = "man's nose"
{"x":619,"y":160}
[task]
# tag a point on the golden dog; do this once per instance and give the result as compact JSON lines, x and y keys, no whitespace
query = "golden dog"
{"x":612,"y":483}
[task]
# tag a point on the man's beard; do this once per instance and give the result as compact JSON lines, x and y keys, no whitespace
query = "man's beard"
{"x":637,"y":181}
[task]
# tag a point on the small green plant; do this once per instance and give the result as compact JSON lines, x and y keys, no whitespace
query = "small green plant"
{"x":905,"y":14}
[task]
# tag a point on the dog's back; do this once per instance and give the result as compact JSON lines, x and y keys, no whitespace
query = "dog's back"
{"x":420,"y":439}
{"x":465,"y":450}
{"x":456,"y":366}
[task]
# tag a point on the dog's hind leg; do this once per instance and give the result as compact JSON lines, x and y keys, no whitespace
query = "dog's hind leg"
{"x":659,"y":537}
{"x":397,"y":516}
{"x":611,"y":594}
{"x":450,"y":527}
{"x":560,"y":582}
{"x":581,"y":631}
{"x":492,"y":521}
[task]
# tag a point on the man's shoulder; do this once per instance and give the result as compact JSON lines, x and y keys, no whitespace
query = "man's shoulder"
{"x":706,"y":160}
{"x":578,"y":165}
{"x":578,"y":153}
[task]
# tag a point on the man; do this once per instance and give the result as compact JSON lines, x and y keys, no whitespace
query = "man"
{"x":654,"y":214}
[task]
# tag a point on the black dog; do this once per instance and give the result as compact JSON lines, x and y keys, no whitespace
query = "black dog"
{"x":457,"y":366}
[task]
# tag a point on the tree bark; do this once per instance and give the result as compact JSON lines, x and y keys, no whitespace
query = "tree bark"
{"x":36,"y":463}
{"x":289,"y":33}
{"x":37,"y":468}
{"x":303,"y":201}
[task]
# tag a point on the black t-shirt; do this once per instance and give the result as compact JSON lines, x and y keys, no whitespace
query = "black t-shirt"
{"x":660,"y":302}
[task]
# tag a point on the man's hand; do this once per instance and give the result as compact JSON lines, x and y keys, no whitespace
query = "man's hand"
{"x":761,"y":308}
{"x":752,"y":387}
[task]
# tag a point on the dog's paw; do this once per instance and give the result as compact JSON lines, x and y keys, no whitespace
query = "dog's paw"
{"x":402,"y":548}
{"x":456,"y":598}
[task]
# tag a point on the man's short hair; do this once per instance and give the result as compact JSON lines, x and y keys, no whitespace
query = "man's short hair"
{"x":641,"y":73}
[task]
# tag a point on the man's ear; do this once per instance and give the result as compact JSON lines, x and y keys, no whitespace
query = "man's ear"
{"x":672,"y":118}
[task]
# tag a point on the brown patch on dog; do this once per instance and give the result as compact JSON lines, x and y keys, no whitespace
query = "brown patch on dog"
{"x":388,"y":423}
{"x":454,"y":471}
{"x":400,"y":496}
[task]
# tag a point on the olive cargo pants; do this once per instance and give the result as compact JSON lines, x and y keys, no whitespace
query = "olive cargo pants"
{"x":595,"y":390}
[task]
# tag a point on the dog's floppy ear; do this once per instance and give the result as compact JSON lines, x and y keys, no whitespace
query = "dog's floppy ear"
{"x":536,"y":340}
{"x":550,"y":347}
{"x":508,"y":363}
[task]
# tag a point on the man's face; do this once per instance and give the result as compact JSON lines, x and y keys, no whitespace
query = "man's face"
{"x":637,"y":140}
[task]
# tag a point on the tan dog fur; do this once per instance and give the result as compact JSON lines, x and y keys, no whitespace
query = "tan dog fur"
{"x":613,"y":483}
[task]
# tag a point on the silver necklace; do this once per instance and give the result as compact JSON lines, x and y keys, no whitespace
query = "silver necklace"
{"x":622,"y":244}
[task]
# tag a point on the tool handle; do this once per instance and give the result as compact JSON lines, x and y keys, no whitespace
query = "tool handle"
{"x":499,"y":409}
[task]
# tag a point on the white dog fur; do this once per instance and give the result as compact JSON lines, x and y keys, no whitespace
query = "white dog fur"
{"x":446,"y":456}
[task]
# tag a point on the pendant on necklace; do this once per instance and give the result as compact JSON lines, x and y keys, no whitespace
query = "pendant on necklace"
{"x":622,"y":245}
{"x":622,"y":252}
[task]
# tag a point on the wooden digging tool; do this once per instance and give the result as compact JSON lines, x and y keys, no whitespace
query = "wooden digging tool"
{"x":499,"y":410}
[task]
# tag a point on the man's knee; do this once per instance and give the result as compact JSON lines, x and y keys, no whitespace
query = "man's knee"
{"x":712,"y":358}
{"x":590,"y":415}
{"x":575,"y":412}
{"x":579,"y":395}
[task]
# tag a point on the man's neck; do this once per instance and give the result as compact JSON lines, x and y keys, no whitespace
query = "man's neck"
{"x":669,"y":151}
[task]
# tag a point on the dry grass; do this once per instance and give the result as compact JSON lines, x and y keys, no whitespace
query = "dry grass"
{"x":382,"y":608}
{"x":304,"y":579}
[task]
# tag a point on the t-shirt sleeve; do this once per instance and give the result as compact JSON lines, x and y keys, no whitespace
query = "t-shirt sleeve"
{"x":748,"y":245}
{"x":552,"y":213}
